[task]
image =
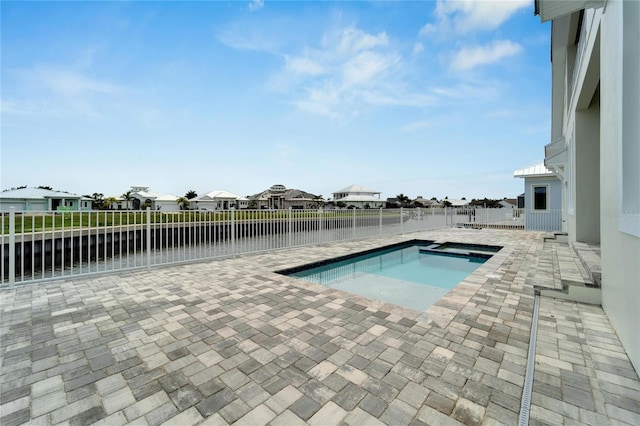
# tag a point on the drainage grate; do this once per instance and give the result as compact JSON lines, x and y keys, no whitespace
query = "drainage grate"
{"x":525,"y":404}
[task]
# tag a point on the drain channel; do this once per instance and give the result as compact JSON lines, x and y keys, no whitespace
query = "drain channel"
{"x":525,"y":404}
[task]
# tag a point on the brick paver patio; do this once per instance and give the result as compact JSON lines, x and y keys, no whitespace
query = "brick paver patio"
{"x":232,"y":342}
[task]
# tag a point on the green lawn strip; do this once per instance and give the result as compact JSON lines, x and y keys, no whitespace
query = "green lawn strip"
{"x":39,"y":222}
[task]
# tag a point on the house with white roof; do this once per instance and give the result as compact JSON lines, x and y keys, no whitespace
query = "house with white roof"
{"x":508,"y":203}
{"x":595,"y":143}
{"x":219,"y":200}
{"x":542,"y":198}
{"x":281,"y":197}
{"x":359,"y":196}
{"x":453,"y":202}
{"x":142,"y":196}
{"x":40,"y":199}
{"x":542,"y":188}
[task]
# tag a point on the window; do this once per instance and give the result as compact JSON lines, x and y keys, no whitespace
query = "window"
{"x":540,"y":197}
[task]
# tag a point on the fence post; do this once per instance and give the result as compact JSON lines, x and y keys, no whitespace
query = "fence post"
{"x":148,"y":237}
{"x":401,"y":220}
{"x":319,"y":226}
{"x":354,"y":224}
{"x":233,"y":232}
{"x":380,"y":220}
{"x":290,"y":232}
{"x":12,"y":245}
{"x":445,"y":216}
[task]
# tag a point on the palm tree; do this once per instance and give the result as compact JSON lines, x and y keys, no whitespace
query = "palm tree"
{"x":403,"y":200}
{"x":183,"y":202}
{"x":127,"y":197}
{"x":190,"y":194}
{"x":108,"y":203}
{"x":318,"y":201}
{"x":98,"y":199}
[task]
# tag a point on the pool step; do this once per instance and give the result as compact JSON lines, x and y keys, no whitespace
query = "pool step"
{"x":433,"y":249}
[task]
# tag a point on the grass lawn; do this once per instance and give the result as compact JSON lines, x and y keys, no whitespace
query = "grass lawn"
{"x":47,"y":221}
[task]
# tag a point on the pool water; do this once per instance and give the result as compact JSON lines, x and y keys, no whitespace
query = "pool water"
{"x":404,"y":276}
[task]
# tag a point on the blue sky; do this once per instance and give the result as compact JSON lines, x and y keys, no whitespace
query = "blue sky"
{"x":422,"y":98}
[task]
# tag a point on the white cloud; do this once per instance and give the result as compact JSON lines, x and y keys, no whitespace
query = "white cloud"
{"x":57,"y":92}
{"x":484,"y":92}
{"x":471,"y":57}
{"x":388,"y":96}
{"x":30,"y":107}
{"x":303,"y":65}
{"x":348,"y":71}
{"x":321,"y":100}
{"x":250,"y":39}
{"x":418,"y":48}
{"x":256,"y":5}
{"x":68,"y":83}
{"x":353,"y":40}
{"x":366,"y":67}
{"x":461,"y":17}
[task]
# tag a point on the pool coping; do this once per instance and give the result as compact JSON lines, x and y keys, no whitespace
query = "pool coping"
{"x":440,"y":313}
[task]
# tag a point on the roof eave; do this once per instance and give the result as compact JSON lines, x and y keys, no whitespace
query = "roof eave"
{"x":549,"y":10}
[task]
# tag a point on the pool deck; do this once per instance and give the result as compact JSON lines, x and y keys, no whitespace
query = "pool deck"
{"x":232,"y":342}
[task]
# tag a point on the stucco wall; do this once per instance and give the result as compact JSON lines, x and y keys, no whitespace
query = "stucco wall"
{"x":167,"y":206}
{"x":620,"y":251}
{"x":555,"y":195}
{"x":541,"y":220}
{"x":587,"y":173}
{"x":24,"y":205}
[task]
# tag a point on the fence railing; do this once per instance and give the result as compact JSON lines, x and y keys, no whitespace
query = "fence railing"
{"x":531,"y":220}
{"x":488,"y":218}
{"x":39,"y":246}
{"x":543,"y":220}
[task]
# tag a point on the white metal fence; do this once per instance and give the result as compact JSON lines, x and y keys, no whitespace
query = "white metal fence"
{"x":39,"y":246}
{"x":531,"y":220}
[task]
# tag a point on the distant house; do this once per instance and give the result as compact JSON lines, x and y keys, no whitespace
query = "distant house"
{"x":142,"y":197}
{"x":39,"y":199}
{"x":359,"y":196}
{"x":508,"y":203}
{"x":219,"y":200}
{"x":423,"y":202}
{"x":452,"y":202}
{"x":542,"y":198}
{"x":280,"y":197}
{"x":435,"y":204}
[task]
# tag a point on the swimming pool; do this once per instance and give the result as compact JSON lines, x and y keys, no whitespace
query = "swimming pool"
{"x":414,"y":274}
